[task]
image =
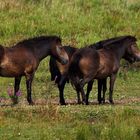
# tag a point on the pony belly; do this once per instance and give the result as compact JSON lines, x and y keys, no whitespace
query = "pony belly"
{"x":10,"y":73}
{"x":101,"y":75}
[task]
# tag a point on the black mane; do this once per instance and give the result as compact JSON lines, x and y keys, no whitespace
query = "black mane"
{"x":70,"y":50}
{"x":109,"y":42}
{"x":35,"y":40}
{"x":118,"y":40}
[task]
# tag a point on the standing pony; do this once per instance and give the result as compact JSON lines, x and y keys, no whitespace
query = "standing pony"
{"x":23,"y":60}
{"x":59,"y":72}
{"x":88,"y":64}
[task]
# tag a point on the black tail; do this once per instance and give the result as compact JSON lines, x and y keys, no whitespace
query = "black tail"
{"x":55,"y":73}
{"x":74,"y":70}
{"x":54,"y":68}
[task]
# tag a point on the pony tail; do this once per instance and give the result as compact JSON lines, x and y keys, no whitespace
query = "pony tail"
{"x":74,"y":70}
{"x":53,"y":69}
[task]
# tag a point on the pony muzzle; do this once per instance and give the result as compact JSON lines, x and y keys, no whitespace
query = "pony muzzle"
{"x":137,"y":57}
{"x":64,"y":61}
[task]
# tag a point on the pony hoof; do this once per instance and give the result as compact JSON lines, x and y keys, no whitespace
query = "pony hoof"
{"x":15,"y":101}
{"x":99,"y":102}
{"x":84,"y":103}
{"x":87,"y":103}
{"x":63,"y":103}
{"x":103,"y":102}
{"x":31,"y":103}
{"x":79,"y":102}
{"x":111,"y":102}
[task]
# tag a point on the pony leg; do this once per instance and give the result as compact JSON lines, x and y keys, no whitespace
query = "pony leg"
{"x":89,"y":88}
{"x":81,"y":87}
{"x":104,"y":89}
{"x":29,"y":79}
{"x":83,"y":96}
{"x":61,"y":92}
{"x":79,"y":90}
{"x":100,"y":82}
{"x":78,"y":96}
{"x":112,"y":81}
{"x":16,"y":89}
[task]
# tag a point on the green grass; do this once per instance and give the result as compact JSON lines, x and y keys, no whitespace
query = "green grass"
{"x":78,"y":22}
{"x":70,"y":122}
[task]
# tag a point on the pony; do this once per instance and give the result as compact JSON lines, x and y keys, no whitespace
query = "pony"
{"x":59,"y":72}
{"x":88,"y":64}
{"x":23,"y":59}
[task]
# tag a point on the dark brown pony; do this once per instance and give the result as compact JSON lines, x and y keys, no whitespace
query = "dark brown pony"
{"x":88,"y":64}
{"x":59,"y":72}
{"x":23,"y":59}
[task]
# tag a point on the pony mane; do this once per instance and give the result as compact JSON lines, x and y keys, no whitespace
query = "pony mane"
{"x":109,"y":42}
{"x":69,"y":49}
{"x":117,"y":40}
{"x":32,"y":41}
{"x":96,"y":46}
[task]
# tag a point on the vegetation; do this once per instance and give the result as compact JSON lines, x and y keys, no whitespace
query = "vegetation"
{"x":78,"y":22}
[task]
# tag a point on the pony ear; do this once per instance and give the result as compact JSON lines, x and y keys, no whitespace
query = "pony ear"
{"x":59,"y":39}
{"x":132,"y":38}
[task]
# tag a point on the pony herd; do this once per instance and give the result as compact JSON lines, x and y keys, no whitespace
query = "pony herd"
{"x":81,"y":66}
{"x":96,"y":61}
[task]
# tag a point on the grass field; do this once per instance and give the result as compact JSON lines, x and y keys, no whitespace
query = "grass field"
{"x":78,"y":22}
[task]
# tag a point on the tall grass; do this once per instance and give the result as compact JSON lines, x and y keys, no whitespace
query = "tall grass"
{"x":72,"y":122}
{"x":78,"y":22}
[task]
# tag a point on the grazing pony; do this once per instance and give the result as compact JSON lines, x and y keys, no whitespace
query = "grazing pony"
{"x":23,"y":60}
{"x":88,"y":64}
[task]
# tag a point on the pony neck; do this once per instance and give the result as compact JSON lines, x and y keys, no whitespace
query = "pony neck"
{"x":43,"y":51}
{"x":119,"y":50}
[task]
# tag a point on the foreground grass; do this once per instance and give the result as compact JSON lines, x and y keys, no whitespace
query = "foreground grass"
{"x":78,"y":22}
{"x":70,"y":122}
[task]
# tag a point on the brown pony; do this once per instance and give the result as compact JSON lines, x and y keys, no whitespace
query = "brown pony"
{"x":59,"y":72}
{"x":23,"y":59}
{"x":88,"y":64}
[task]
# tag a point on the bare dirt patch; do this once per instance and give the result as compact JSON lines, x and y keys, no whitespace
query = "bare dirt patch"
{"x":55,"y":101}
